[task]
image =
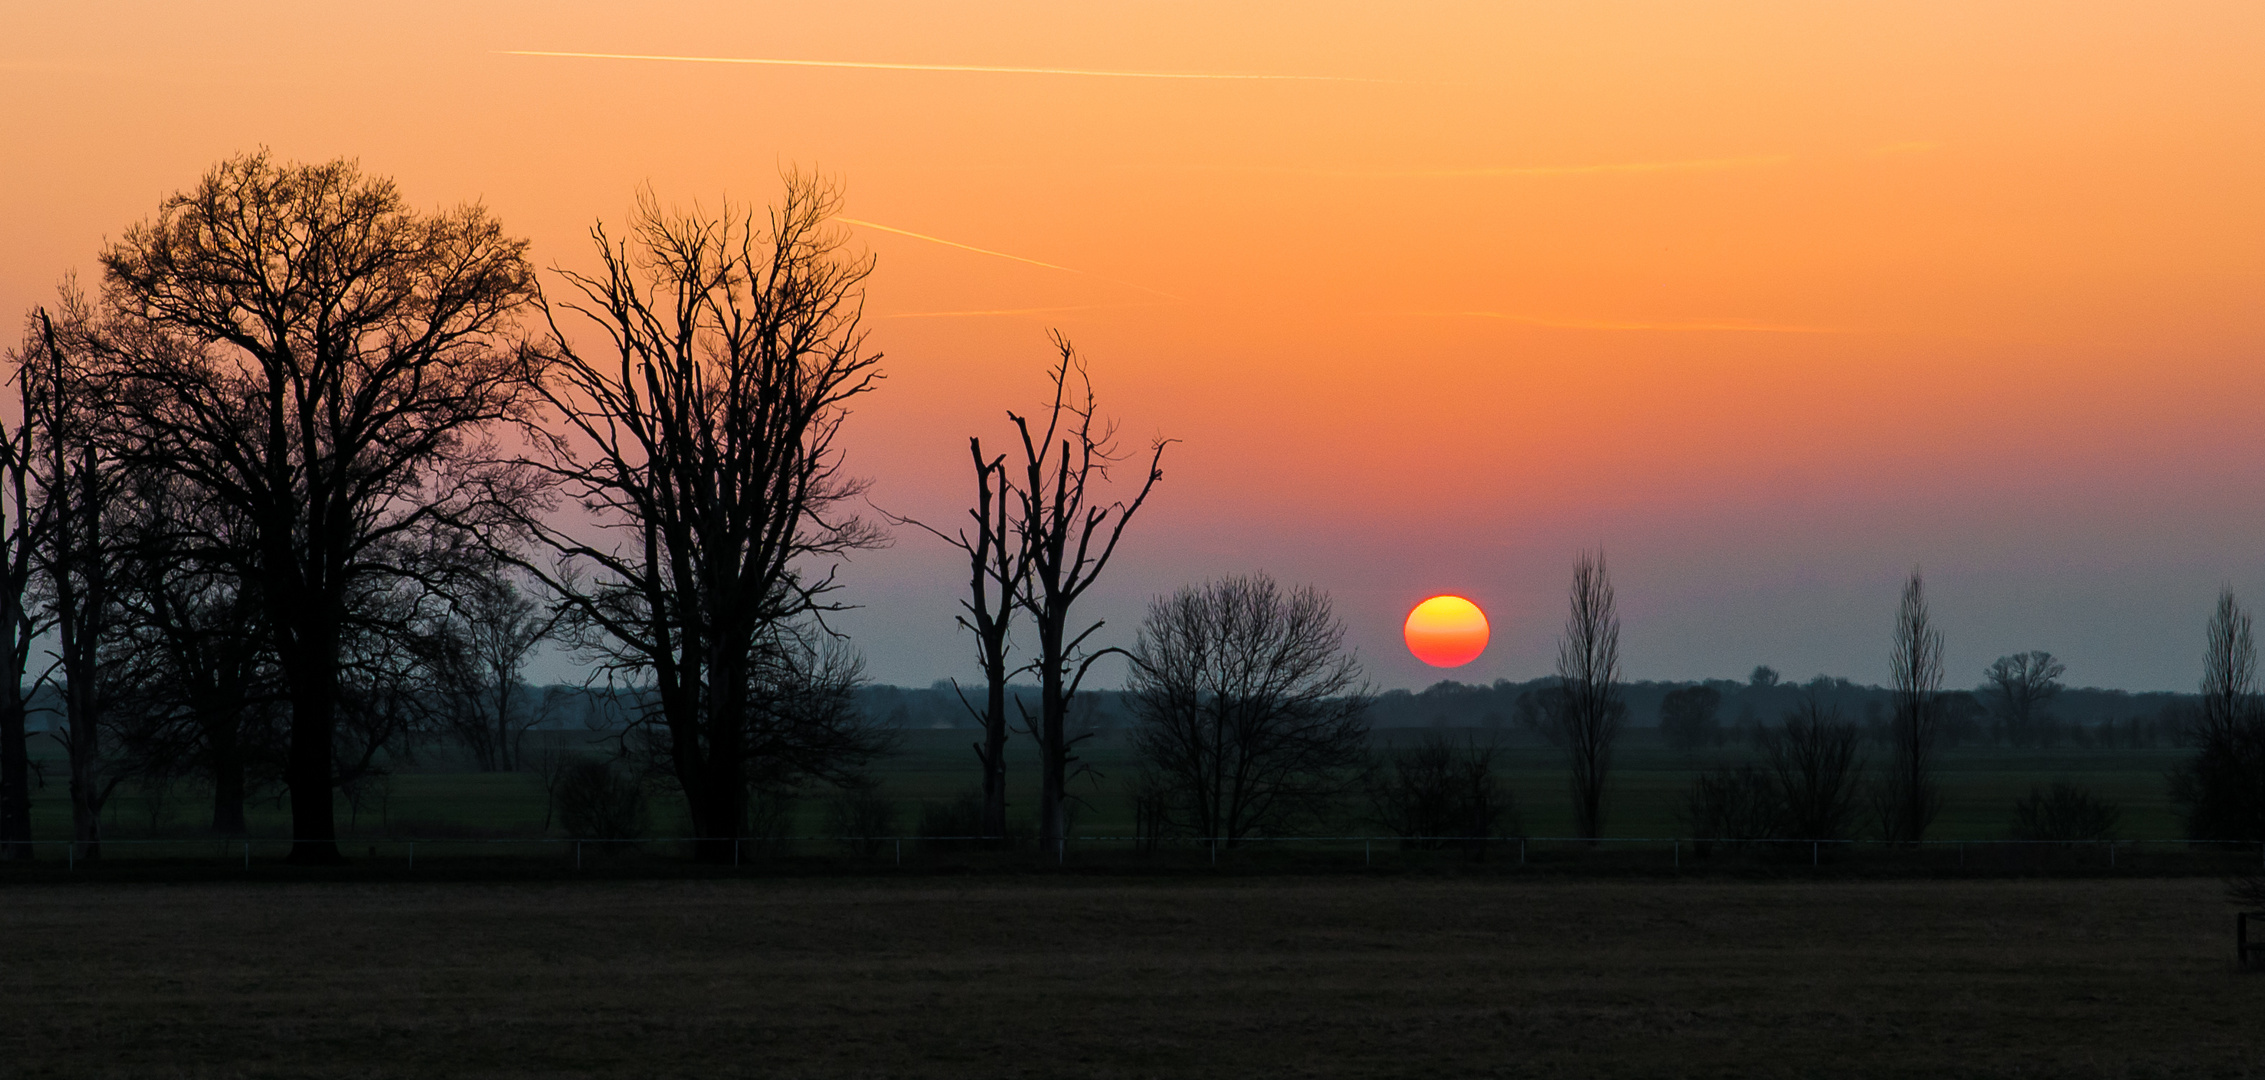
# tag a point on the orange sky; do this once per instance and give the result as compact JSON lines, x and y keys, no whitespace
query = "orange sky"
{"x":1772,"y":300}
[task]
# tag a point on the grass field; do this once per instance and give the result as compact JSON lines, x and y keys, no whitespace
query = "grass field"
{"x":436,"y":795}
{"x":1050,"y":976}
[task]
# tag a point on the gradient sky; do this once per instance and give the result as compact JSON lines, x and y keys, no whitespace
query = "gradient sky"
{"x":1774,"y":301}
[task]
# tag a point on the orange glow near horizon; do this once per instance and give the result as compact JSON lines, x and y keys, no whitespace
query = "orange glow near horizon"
{"x":1446,"y":631}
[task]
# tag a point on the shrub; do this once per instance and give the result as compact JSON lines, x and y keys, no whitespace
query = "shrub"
{"x":2064,"y":812}
{"x":862,"y":819}
{"x":597,"y":800}
{"x":1438,"y":793}
{"x":1731,"y":804}
{"x":953,"y":820}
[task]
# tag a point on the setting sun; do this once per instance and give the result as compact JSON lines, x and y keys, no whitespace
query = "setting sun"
{"x":1446,"y":631}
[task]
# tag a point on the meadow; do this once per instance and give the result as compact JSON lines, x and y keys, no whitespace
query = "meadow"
{"x":436,"y":795}
{"x":1061,"y":975}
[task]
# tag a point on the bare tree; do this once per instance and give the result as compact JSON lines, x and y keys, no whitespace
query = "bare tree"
{"x":1588,"y":711}
{"x":1067,"y":538}
{"x":701,"y":440}
{"x":477,"y":655}
{"x":19,"y":538}
{"x":2221,"y":789}
{"x":77,"y":479}
{"x":323,"y":362}
{"x":2021,"y":685}
{"x":202,"y":693}
{"x":1246,"y":706}
{"x":1909,"y":799}
{"x":996,"y":572}
{"x":1813,"y":760}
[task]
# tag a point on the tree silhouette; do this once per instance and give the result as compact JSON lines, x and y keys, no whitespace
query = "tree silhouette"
{"x":1067,"y":539}
{"x":1588,"y":710}
{"x":1909,"y":800}
{"x":2022,"y":683}
{"x":1248,"y":710}
{"x":996,"y":569}
{"x":323,"y":362}
{"x":700,"y":439}
{"x":19,"y":535}
{"x":2221,"y":789}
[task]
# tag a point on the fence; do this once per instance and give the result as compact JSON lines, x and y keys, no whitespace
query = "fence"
{"x":1620,"y":852}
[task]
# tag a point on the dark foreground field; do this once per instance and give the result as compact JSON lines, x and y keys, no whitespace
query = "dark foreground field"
{"x":1084,"y":977}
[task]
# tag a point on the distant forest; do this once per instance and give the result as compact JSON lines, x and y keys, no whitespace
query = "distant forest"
{"x":2084,"y":716}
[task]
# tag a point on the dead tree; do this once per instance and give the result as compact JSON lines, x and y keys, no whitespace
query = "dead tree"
{"x":1588,"y":711}
{"x":1067,"y":538}
{"x":1909,"y":798}
{"x":2021,"y":684}
{"x":1248,"y":710}
{"x":700,"y":439}
{"x":323,"y":362}
{"x":995,"y":578}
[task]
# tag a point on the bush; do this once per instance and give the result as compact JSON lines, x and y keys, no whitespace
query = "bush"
{"x":955,"y":820}
{"x":2064,"y":812}
{"x":1438,"y":793}
{"x":862,"y":819}
{"x":1735,"y":805}
{"x":597,"y":800}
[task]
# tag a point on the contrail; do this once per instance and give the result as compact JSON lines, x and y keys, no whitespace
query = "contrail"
{"x":1688,"y":165}
{"x":1005,"y":311}
{"x":1004,"y":255}
{"x":876,"y":66}
{"x":955,"y":243}
{"x":1719,"y":325}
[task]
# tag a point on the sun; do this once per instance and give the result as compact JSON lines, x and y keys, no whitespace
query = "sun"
{"x":1446,"y":631}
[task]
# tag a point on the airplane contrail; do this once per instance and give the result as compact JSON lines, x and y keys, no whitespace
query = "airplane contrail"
{"x":1686,"y":165}
{"x":1718,"y":325}
{"x":1003,"y":255}
{"x":878,"y":66}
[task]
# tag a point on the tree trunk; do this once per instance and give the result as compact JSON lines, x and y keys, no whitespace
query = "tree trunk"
{"x":1053,"y":755}
{"x":308,"y":769}
{"x":15,"y":770}
{"x":994,"y":754}
{"x":227,"y":775}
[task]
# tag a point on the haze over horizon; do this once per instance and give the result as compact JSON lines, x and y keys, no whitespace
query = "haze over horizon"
{"x":1773,"y":301}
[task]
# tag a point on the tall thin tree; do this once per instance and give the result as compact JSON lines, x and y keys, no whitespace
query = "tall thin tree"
{"x":1910,"y":799}
{"x":1589,"y":711}
{"x":2220,"y":790}
{"x":1068,"y":536}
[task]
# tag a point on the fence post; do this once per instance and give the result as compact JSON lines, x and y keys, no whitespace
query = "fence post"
{"x":1813,"y":853}
{"x":1368,"y":858}
{"x":71,"y":855}
{"x":2111,"y":854}
{"x":412,"y":854}
{"x":578,"y":854}
{"x":900,"y":854}
{"x":247,"y":854}
{"x":1679,"y":854}
{"x":735,"y":851}
{"x":1521,"y":851}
